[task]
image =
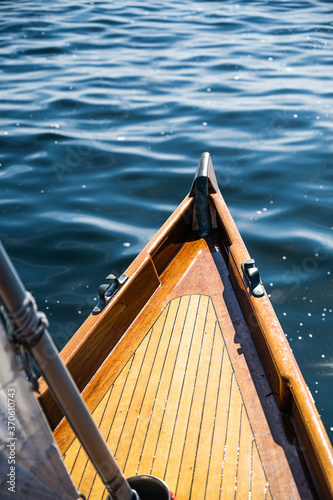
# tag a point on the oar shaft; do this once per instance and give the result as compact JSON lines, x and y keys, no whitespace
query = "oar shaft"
{"x":15,"y":299}
{"x":12,"y":290}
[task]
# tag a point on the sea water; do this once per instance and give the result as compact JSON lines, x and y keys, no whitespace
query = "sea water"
{"x":105,"y":110}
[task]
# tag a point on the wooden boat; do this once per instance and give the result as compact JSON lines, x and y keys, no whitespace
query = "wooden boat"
{"x":188,"y":374}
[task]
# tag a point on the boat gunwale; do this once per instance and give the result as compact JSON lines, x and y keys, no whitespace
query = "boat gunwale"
{"x":292,"y":394}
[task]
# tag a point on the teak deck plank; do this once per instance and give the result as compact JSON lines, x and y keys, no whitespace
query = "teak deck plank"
{"x":178,"y":396}
{"x":214,"y":475}
{"x":208,"y":416}
{"x":259,"y":484}
{"x":245,"y":456}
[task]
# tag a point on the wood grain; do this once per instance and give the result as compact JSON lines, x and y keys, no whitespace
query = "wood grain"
{"x":174,"y":396}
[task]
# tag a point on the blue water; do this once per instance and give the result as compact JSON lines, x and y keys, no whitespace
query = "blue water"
{"x":105,"y":110}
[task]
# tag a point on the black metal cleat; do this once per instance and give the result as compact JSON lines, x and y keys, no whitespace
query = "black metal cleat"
{"x":252,"y":275}
{"x":108,"y":290}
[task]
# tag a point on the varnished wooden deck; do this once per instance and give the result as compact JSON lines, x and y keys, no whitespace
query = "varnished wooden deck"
{"x":175,"y":411}
{"x":183,"y":396}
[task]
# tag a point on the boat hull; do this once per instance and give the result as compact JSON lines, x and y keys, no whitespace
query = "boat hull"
{"x":190,"y":377}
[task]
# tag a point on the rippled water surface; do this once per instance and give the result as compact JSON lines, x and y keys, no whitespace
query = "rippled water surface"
{"x":105,"y":110}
